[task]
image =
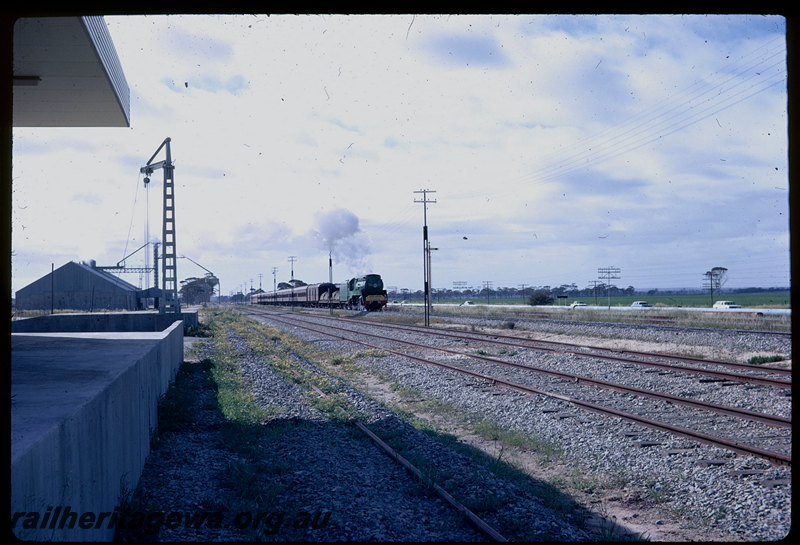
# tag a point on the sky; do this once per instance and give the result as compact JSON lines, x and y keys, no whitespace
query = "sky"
{"x":549,"y":147}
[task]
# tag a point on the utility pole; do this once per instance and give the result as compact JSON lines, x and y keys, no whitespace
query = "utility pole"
{"x":594,"y":290}
{"x":425,"y":250}
{"x":611,"y":273}
{"x":430,"y":280}
{"x":259,"y":281}
{"x":523,"y":291}
{"x":487,"y":284}
{"x":274,"y":280}
{"x":330,"y":280}
{"x":459,"y":285}
{"x":292,"y":259}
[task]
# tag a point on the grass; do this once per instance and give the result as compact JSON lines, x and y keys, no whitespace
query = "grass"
{"x":772,"y":299}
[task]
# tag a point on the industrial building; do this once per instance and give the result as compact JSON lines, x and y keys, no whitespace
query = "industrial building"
{"x":81,"y":287}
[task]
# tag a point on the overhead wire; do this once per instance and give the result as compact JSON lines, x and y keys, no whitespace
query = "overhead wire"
{"x":680,"y":111}
{"x":133,"y":215}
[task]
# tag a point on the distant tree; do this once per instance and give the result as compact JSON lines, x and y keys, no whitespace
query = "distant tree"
{"x":540,"y":297}
{"x":714,"y":280}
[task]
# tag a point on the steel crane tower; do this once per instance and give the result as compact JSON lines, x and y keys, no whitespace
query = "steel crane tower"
{"x":169,"y":265}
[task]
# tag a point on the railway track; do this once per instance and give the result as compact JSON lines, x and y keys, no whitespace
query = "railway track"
{"x":616,"y":407}
{"x":765,"y":376}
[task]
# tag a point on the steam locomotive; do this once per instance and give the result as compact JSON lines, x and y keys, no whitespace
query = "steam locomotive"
{"x":365,"y":292}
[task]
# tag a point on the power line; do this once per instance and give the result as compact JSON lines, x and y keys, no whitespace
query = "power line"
{"x":699,"y":101}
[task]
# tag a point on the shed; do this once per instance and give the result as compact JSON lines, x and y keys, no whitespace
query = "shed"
{"x":79,"y":287}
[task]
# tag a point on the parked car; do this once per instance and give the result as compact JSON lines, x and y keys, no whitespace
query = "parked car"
{"x":576,"y":304}
{"x":467,"y":303}
{"x":726,"y":304}
{"x":640,"y":304}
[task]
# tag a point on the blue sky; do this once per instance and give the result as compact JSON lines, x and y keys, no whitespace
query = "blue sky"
{"x":556,"y":145}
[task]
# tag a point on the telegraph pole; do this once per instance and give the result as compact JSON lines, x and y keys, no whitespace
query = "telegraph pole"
{"x":425,"y":250}
{"x":594,"y":290}
{"x":274,"y":280}
{"x":330,"y":280}
{"x":430,"y":280}
{"x":611,"y":273}
{"x":292,"y":259}
{"x":488,"y":285}
{"x":459,"y":285}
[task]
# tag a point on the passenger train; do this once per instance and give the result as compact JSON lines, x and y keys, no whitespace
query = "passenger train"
{"x":365,"y":293}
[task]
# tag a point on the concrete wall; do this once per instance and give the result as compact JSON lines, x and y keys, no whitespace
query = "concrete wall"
{"x":106,"y":321}
{"x":87,"y":462}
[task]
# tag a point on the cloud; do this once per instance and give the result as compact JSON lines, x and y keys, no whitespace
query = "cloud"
{"x":300,"y":135}
{"x":460,"y":49}
{"x":233,"y":85}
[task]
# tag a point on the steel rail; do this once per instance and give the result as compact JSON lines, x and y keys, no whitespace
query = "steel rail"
{"x":774,"y":457}
{"x":460,"y":508}
{"x":772,"y":420}
{"x":533,"y":345}
{"x":731,"y":364}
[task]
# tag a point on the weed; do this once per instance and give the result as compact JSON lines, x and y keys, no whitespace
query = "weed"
{"x":657,"y":492}
{"x":341,"y":360}
{"x":758,"y":360}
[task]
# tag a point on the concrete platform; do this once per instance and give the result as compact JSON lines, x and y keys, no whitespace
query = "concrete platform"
{"x":145,"y":320}
{"x":83,"y":408}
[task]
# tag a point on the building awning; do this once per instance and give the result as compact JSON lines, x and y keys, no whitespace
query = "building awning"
{"x":66,"y":73}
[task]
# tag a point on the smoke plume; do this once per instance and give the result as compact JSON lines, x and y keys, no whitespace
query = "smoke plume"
{"x":338,"y":233}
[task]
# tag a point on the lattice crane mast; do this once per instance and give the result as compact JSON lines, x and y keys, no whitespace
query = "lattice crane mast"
{"x":169,"y":265}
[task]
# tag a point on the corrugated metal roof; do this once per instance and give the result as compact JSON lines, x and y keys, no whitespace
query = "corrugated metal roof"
{"x":67,"y":74}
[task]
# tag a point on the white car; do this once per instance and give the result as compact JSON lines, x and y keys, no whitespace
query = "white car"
{"x":467,"y":303}
{"x":640,"y":304}
{"x":726,"y":304}
{"x":576,"y":304}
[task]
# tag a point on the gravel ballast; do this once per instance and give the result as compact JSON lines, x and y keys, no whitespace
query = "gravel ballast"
{"x":327,"y":481}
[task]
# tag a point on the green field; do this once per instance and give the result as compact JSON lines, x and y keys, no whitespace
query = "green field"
{"x":778,"y":299}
